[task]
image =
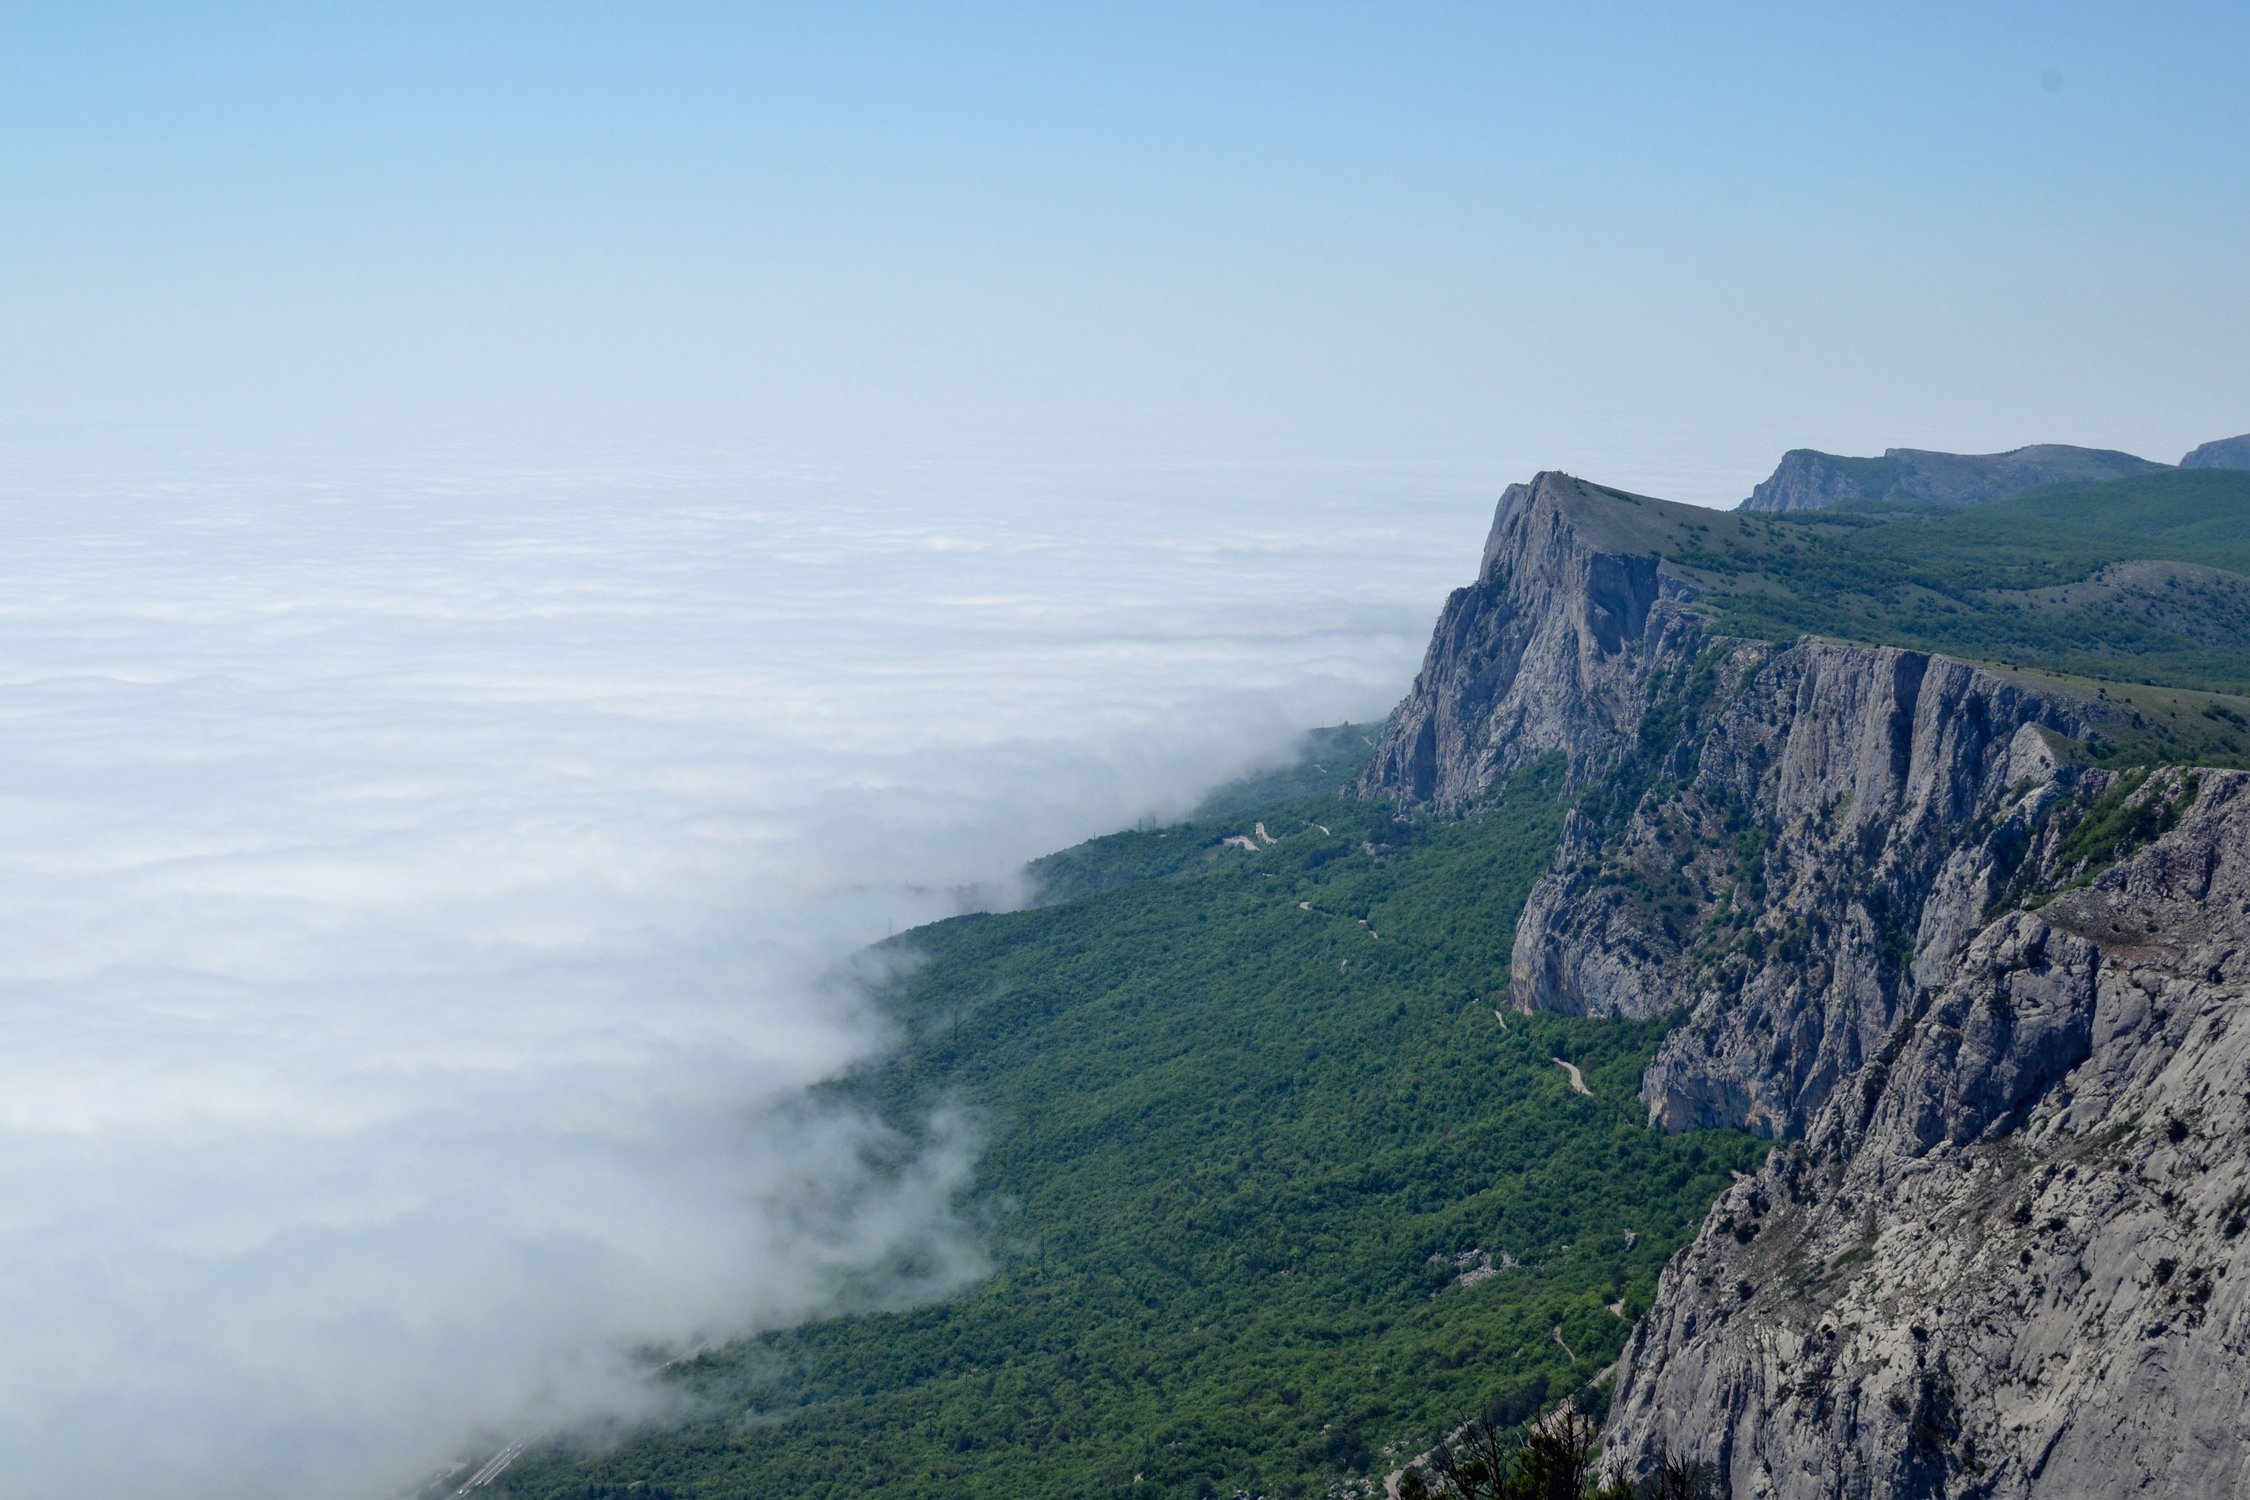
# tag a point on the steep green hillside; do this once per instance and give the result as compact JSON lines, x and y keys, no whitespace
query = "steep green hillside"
{"x":1259,"y":1163}
{"x":1327,"y":758}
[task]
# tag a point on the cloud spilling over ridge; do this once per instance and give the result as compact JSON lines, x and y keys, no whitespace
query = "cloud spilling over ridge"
{"x":424,"y":899}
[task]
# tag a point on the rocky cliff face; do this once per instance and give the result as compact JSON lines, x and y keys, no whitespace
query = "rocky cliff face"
{"x":1985,"y":997}
{"x":2008,"y":1260}
{"x":1808,"y":480}
{"x":1795,"y":864}
{"x":1546,"y":651}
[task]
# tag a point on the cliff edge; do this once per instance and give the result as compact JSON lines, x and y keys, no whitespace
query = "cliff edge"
{"x":1983,"y":989}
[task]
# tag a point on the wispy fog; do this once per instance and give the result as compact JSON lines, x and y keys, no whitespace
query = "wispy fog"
{"x":423,"y":897}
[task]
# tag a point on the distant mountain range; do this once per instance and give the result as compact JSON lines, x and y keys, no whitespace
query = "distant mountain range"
{"x":1808,"y":479}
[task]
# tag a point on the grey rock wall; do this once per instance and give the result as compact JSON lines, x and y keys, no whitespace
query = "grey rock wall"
{"x":1546,"y":651}
{"x":1786,"y":886}
{"x":2008,"y":1262}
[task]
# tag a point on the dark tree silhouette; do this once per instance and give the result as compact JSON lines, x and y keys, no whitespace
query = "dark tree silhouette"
{"x":1552,"y":1461}
{"x":1678,"y":1479}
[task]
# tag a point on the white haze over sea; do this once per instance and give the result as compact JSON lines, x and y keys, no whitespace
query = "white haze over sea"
{"x":423,"y":892}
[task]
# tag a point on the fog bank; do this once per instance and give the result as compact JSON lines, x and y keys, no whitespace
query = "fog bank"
{"x":425,"y":888}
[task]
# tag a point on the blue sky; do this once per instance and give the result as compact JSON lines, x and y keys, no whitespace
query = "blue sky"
{"x":1239,"y":232}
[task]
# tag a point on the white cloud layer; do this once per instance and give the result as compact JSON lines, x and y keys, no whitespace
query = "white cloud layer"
{"x":423,"y":894}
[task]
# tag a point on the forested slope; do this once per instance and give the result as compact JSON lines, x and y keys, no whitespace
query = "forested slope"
{"x":1274,"y":1195}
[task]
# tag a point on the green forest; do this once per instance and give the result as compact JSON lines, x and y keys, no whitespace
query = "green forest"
{"x":1275,"y":1189}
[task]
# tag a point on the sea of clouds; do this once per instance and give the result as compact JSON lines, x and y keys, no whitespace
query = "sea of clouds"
{"x":429,"y":892}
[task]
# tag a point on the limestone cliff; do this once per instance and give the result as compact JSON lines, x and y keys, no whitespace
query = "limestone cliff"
{"x":1983,"y":992}
{"x":1546,"y":651}
{"x":2007,"y":1260}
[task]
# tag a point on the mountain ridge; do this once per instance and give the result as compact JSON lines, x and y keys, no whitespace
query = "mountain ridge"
{"x":1905,"y":916}
{"x":1315,"y":1127}
{"x":1809,"y":479}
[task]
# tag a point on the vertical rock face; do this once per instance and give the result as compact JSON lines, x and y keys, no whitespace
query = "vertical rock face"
{"x":1995,"y":1253}
{"x":2009,"y":1260}
{"x":1545,"y":651}
{"x":1798,"y":862}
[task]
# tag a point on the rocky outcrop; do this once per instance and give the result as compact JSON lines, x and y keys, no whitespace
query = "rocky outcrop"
{"x":1809,"y":480}
{"x":1984,"y":996}
{"x":1766,"y":825}
{"x":2225,"y":453}
{"x":2009,"y":1260}
{"x":1546,"y":651}
{"x":1797,"y":865}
